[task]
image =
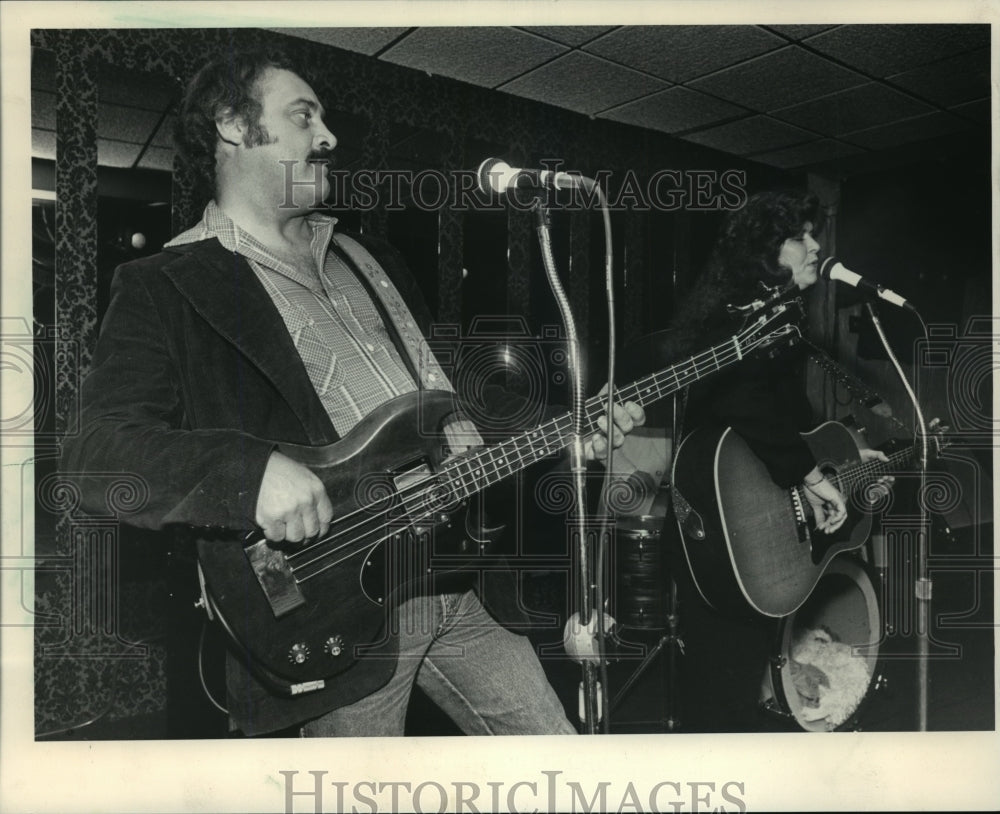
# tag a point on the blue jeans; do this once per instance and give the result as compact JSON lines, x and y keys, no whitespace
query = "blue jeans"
{"x":488,"y":680}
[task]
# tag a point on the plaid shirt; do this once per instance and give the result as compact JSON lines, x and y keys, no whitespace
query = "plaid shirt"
{"x":340,"y":336}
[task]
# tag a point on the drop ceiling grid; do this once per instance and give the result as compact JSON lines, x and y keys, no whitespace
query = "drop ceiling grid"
{"x":810,"y":153}
{"x":770,"y":92}
{"x":751,"y":135}
{"x":950,"y":82}
{"x":683,"y":52}
{"x":675,"y":110}
{"x":485,"y":56}
{"x":584,"y":83}
{"x":778,"y":79}
{"x":368,"y":41}
{"x":854,"y":109}
{"x":883,"y":50}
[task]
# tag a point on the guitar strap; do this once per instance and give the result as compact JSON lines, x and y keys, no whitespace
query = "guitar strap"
{"x":414,"y":349}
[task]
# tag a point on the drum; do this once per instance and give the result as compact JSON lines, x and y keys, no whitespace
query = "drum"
{"x":641,"y":579}
{"x":826,"y":654}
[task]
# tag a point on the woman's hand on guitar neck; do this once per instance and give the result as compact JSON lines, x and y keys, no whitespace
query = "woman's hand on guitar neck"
{"x":292,"y":504}
{"x":828,"y":504}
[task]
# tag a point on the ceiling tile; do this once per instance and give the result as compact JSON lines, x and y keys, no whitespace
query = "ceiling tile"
{"x":682,"y":52}
{"x":149,"y":91}
{"x":674,"y":110}
{"x":812,"y":152}
{"x":751,"y":135}
{"x":568,"y":34}
{"x":799,"y":32}
{"x":882,"y":50}
{"x":853,"y":109}
{"x":165,"y":135}
{"x":584,"y":83}
{"x":116,"y":153}
{"x":157,"y":158}
{"x":43,"y":109}
{"x":778,"y":79}
{"x":43,"y":144}
{"x":978,"y":111}
{"x":904,"y":132}
{"x":484,"y":56}
{"x":951,"y":81}
{"x":362,"y":40}
{"x":126,"y":123}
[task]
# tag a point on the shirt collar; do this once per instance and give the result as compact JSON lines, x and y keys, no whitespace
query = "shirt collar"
{"x":216,"y":223}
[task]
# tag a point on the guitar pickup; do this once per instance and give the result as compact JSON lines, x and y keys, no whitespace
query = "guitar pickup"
{"x":275,"y":577}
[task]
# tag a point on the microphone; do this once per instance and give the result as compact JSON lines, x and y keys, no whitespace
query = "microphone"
{"x":833,"y":269}
{"x":496,"y":175}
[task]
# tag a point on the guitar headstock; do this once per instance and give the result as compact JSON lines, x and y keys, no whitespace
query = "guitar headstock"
{"x":937,"y":435}
{"x":773,"y":327}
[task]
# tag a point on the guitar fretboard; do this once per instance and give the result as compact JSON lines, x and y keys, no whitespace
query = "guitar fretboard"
{"x":867,"y":472}
{"x":468,"y":475}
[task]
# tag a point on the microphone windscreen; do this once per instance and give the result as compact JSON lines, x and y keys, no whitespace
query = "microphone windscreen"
{"x":494,"y":175}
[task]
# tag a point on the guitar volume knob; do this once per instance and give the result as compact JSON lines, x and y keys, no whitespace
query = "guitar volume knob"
{"x":334,"y":646}
{"x":298,"y":653}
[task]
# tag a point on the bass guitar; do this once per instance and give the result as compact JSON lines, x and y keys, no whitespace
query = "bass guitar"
{"x":302,"y":616}
{"x":752,"y":545}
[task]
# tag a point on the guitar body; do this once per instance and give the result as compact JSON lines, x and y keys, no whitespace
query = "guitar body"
{"x":404,"y":523}
{"x":750,"y":544}
{"x":308,"y":614}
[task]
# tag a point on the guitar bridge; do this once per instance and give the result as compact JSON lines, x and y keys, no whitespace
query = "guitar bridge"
{"x":275,"y":577}
{"x":801,"y":522}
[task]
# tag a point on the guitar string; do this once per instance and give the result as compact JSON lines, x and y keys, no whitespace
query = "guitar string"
{"x":866,"y":470}
{"x":424,"y":495}
{"x":647,"y":384}
{"x":636,"y":390}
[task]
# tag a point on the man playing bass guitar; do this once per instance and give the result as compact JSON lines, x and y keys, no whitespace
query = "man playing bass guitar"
{"x":265,"y":325}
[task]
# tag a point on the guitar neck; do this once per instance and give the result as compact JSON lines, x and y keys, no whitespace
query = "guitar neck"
{"x":488,"y":467}
{"x":866,"y":472}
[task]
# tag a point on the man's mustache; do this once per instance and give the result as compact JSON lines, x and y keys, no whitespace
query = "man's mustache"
{"x":324,"y":156}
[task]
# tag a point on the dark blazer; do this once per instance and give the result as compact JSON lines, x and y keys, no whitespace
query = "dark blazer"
{"x":194,"y":381}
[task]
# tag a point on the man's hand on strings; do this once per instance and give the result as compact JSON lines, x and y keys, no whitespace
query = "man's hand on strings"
{"x":292,"y":504}
{"x":627,"y":417}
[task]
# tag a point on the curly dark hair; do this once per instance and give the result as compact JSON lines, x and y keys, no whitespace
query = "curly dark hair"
{"x":225,"y":86}
{"x":745,"y":254}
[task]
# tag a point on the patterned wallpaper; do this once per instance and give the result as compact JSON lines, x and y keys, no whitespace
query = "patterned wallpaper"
{"x":78,"y":673}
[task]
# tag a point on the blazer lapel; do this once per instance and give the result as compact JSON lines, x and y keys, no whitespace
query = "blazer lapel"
{"x":224,"y":290}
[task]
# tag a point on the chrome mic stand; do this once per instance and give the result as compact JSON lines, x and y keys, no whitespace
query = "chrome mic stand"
{"x":922,"y":584}
{"x":590,"y":711}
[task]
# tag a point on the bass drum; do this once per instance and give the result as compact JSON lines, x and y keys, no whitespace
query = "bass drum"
{"x":825,"y":663}
{"x":641,"y":579}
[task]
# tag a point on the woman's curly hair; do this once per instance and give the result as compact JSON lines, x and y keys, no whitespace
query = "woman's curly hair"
{"x":225,"y":86}
{"x":745,"y":254}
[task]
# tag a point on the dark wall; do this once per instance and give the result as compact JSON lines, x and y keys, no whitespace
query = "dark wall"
{"x":922,"y":230}
{"x":471,"y":264}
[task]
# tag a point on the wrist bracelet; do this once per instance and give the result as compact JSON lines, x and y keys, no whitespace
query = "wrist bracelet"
{"x":815,"y":482}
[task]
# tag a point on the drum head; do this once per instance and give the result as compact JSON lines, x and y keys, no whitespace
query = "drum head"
{"x":827,"y":652}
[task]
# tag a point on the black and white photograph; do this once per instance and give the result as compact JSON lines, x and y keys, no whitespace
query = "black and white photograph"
{"x":389,"y":376}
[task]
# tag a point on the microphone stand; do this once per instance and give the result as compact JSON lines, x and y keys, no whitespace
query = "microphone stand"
{"x":578,"y":465}
{"x":922,"y":588}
